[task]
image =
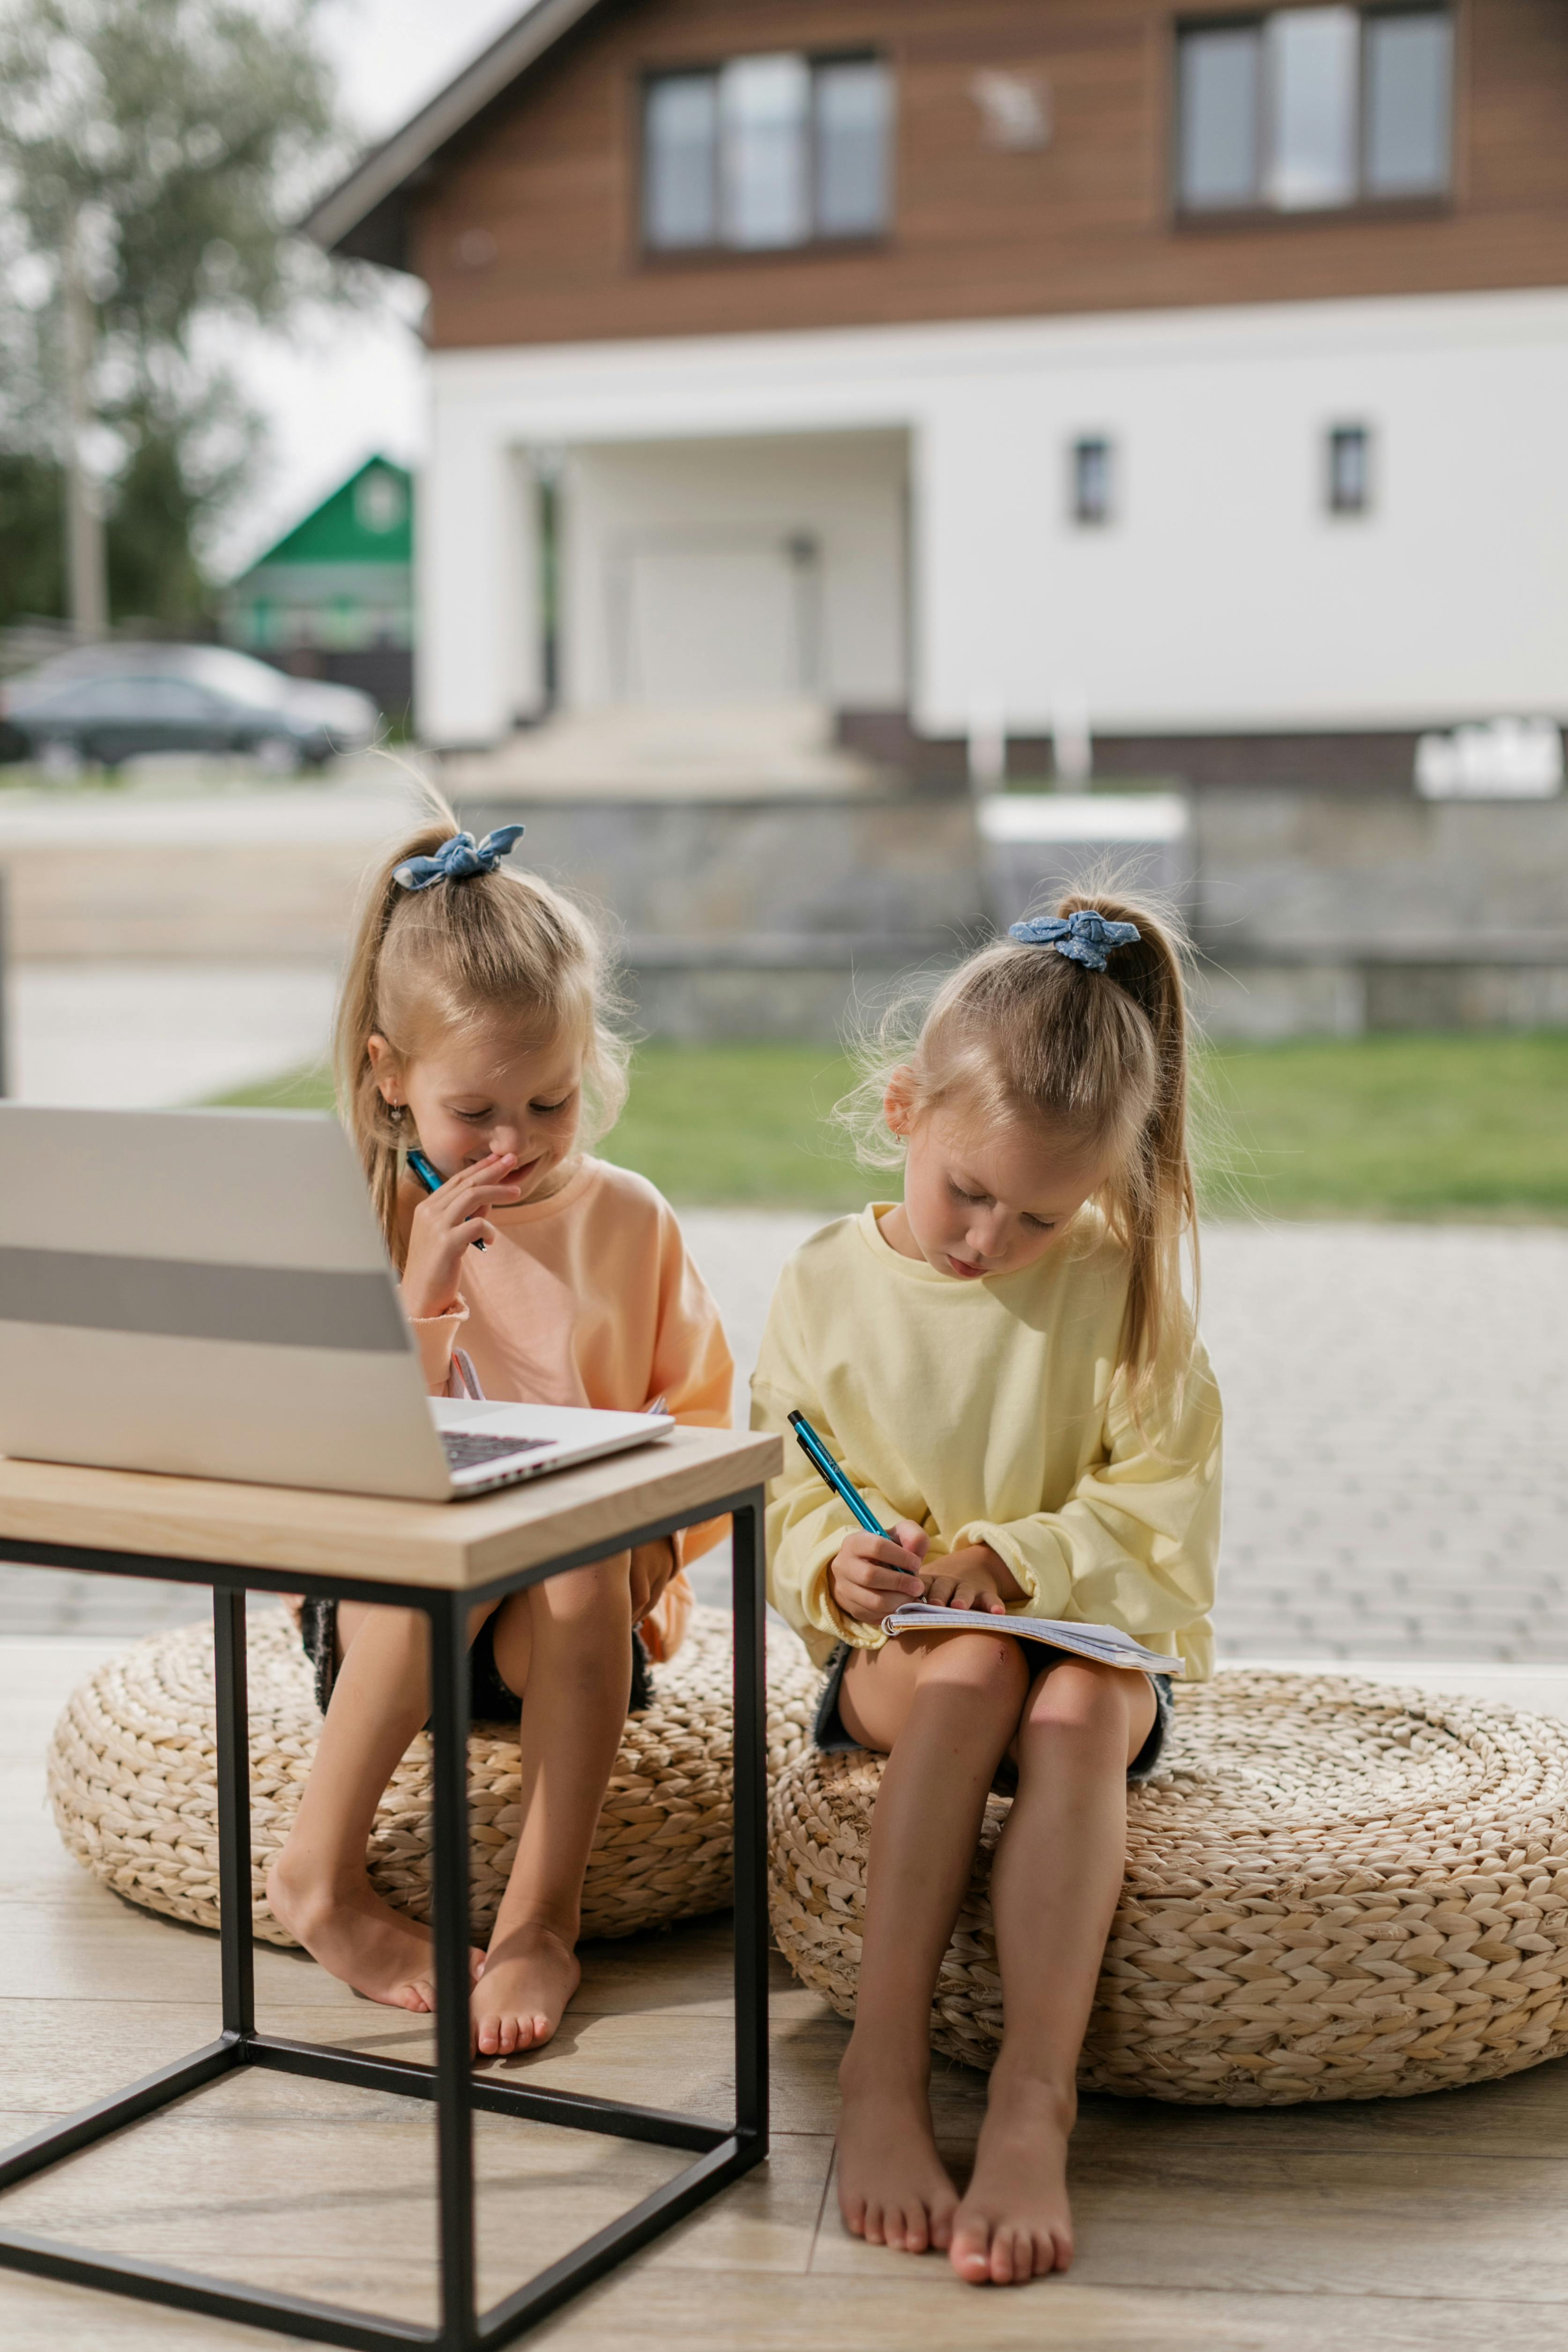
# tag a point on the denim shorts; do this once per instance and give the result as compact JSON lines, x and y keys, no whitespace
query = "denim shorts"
{"x":834,"y":1741}
{"x":490,"y":1700}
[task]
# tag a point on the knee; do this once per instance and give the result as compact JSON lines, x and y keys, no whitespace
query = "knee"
{"x":597,"y":1595}
{"x":1081,"y":1703}
{"x":987,"y":1665}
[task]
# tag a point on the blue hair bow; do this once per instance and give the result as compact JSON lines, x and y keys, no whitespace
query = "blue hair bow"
{"x":1083,"y":938}
{"x":457,"y":858}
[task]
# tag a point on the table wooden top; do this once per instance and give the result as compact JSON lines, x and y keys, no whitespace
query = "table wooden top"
{"x":448,"y":1547}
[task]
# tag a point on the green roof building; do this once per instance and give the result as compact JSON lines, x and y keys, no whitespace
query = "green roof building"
{"x":334,"y":598}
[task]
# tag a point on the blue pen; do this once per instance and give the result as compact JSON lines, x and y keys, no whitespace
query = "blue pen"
{"x":822,"y":1462}
{"x":431,"y":1181}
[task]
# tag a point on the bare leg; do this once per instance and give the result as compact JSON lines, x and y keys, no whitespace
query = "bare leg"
{"x":944,"y":1707}
{"x":566,"y":1644}
{"x":1054,"y":1883}
{"x":319,"y":1886}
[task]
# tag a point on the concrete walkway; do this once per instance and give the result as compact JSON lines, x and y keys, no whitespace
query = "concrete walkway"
{"x":126,"y":1037}
{"x":1396,"y":1483}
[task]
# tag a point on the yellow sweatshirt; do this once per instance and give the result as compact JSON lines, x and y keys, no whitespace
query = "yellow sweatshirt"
{"x":988,"y":1413}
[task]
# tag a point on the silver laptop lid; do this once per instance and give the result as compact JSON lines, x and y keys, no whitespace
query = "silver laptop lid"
{"x":204,"y":1292}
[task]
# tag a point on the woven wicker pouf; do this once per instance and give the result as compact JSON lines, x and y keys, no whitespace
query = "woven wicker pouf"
{"x":1334,"y":1891}
{"x":133,"y":1777}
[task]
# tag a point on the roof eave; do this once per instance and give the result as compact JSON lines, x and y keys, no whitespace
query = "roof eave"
{"x":366,"y":216}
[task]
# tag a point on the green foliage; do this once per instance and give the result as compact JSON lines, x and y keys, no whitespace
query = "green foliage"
{"x":172,"y":140}
{"x":32,"y":546}
{"x":1368,"y":1127}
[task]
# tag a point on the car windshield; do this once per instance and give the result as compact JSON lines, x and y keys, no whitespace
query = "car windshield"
{"x":236,"y":677}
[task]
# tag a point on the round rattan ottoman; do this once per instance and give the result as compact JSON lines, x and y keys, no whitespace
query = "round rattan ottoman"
{"x":132,"y":1777}
{"x":1334,"y":1891}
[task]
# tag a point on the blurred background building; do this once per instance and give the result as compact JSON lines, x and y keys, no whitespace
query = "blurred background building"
{"x":333,"y":597}
{"x":845,"y":409}
{"x":1026,"y":373}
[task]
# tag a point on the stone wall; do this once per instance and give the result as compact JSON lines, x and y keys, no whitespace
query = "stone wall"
{"x":762,"y":917}
{"x":1337,"y":911}
{"x":1312,"y":910}
{"x":758,"y":915}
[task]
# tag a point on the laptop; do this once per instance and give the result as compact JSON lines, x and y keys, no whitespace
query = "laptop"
{"x":207,"y":1292}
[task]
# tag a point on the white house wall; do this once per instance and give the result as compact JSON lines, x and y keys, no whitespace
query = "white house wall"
{"x":1222,"y":596}
{"x":842,"y":494}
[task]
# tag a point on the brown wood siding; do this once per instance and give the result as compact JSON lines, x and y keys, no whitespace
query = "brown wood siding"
{"x":549,"y":181}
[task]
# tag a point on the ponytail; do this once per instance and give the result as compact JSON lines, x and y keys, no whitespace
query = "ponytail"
{"x":1151,"y":1203}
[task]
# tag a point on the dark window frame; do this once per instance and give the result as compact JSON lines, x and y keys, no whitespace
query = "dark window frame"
{"x":1337,"y":506}
{"x":1363,"y":205}
{"x":717,"y":252}
{"x":1086,"y":513}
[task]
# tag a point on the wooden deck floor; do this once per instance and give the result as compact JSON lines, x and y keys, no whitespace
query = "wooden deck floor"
{"x":1425,"y":2222}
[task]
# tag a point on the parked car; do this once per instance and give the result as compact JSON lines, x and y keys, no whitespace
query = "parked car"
{"x":101,"y":705}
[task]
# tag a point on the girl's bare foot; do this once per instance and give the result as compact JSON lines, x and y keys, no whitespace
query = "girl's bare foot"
{"x":893,"y":2188}
{"x":528,"y":1976}
{"x":357,"y":1937}
{"x":1014,"y":2221}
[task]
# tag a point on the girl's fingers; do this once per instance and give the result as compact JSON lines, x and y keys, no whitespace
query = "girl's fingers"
{"x":897,"y":1580}
{"x":893,"y":1555}
{"x":484,"y":1175}
{"x":461,"y":1196}
{"x":481,"y":1196}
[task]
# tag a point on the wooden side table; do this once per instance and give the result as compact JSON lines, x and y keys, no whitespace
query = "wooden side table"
{"x":441,"y":1558}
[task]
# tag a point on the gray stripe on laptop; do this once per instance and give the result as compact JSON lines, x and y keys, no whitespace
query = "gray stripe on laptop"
{"x":275,"y":1306}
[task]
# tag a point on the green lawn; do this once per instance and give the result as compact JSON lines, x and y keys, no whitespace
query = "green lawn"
{"x":1396,"y":1125}
{"x":1377,"y":1127}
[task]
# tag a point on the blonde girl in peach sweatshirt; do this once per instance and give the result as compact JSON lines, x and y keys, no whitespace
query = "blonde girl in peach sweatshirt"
{"x":472,"y":1026}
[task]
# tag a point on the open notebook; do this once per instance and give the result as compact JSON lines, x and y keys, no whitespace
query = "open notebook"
{"x":1107,"y":1644}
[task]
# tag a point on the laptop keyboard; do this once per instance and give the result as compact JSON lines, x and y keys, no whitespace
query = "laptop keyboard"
{"x":464,"y":1447}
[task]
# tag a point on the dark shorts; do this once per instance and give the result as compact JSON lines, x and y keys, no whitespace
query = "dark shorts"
{"x":490,"y":1700}
{"x":834,"y":1741}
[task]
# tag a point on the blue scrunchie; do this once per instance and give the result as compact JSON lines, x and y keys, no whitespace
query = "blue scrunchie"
{"x":457,"y":858}
{"x":1083,"y":938}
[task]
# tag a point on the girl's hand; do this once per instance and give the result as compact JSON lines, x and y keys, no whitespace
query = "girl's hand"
{"x":974,"y":1578}
{"x":444,"y":1225}
{"x":869,"y":1575}
{"x":653,"y":1566}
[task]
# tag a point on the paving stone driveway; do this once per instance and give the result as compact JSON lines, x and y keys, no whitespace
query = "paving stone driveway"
{"x":1396,"y":1478}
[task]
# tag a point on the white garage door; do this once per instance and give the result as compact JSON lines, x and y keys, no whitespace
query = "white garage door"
{"x":716,"y":620}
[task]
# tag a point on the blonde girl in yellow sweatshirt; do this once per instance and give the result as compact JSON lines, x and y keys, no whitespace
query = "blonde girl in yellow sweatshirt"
{"x":471,"y":1025}
{"x":1004,"y":1365}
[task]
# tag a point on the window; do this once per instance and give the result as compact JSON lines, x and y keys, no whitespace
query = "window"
{"x":1091,"y":485}
{"x":766,"y":152}
{"x":1407,"y":65}
{"x":1349,"y":469}
{"x":1307,"y":108}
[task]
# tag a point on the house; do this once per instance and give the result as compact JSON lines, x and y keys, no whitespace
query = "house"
{"x":334,"y":598}
{"x":1003,"y":372}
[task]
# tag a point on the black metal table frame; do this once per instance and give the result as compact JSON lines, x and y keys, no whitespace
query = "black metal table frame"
{"x":723,"y":2152}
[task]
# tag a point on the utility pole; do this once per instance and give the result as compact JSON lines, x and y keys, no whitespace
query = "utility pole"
{"x":5,"y":996}
{"x":87,"y":570}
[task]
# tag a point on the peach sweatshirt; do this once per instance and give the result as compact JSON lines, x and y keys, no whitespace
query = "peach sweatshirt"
{"x":588,"y":1299}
